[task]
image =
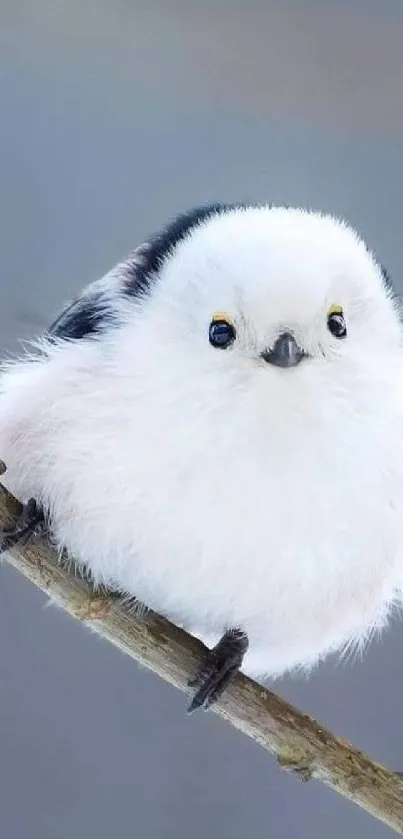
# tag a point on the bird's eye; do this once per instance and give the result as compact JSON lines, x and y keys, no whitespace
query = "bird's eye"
{"x":221,"y":332}
{"x":336,"y":323}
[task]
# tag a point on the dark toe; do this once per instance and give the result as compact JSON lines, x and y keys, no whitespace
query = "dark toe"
{"x":211,"y":689}
{"x":31,"y":517}
{"x":219,"y":669}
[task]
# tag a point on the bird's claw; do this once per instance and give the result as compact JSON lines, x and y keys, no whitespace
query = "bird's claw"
{"x":29,"y":522}
{"x":219,"y":669}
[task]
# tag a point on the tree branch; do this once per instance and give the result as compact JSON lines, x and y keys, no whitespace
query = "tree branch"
{"x":299,"y":743}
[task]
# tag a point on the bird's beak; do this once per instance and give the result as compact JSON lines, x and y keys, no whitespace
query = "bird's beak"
{"x":285,"y":352}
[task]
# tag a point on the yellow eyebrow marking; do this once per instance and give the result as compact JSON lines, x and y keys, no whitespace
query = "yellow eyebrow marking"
{"x":221,"y":316}
{"x":335,"y":310}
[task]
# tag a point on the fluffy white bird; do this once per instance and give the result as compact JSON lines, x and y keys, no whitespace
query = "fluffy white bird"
{"x":216,"y":428}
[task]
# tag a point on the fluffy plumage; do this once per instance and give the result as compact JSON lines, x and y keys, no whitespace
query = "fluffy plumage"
{"x":217,"y":488}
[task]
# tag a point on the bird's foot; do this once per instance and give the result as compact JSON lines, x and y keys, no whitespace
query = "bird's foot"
{"x":30,"y":522}
{"x":219,"y":669}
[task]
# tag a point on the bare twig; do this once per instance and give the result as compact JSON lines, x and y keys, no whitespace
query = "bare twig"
{"x":299,"y":743}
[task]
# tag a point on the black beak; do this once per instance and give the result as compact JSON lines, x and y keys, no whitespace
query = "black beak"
{"x":285,"y":352}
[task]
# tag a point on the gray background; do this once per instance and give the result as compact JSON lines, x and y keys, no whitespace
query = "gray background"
{"x":113,"y":116}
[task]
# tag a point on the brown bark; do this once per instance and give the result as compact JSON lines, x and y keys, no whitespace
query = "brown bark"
{"x":299,"y":743}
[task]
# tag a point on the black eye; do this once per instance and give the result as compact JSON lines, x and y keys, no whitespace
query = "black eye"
{"x":337,"y":325}
{"x":221,"y":334}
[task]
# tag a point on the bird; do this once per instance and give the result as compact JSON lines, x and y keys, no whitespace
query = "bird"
{"x":215,"y":428}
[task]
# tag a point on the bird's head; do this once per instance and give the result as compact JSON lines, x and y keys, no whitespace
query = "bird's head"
{"x":273,"y":301}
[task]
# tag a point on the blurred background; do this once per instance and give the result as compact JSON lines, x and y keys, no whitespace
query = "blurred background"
{"x":115,"y":115}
